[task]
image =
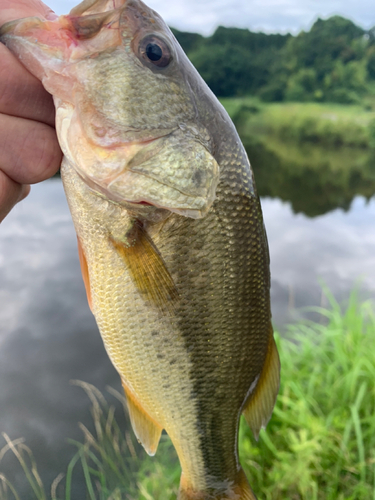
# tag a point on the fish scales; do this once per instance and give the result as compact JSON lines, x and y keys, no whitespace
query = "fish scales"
{"x":170,"y":233}
{"x":128,"y":102}
{"x":214,"y":353}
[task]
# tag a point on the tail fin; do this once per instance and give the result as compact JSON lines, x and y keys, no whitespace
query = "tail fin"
{"x":239,"y":490}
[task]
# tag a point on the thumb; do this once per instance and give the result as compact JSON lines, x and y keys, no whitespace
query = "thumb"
{"x":10,"y":194}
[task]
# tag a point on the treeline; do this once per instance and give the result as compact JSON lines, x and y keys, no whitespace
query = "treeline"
{"x":334,"y":61}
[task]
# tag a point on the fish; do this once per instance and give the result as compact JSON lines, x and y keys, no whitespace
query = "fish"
{"x":171,"y":238}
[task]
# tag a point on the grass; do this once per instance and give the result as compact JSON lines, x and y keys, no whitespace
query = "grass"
{"x":110,"y":460}
{"x":319,"y":444}
{"x":330,"y":125}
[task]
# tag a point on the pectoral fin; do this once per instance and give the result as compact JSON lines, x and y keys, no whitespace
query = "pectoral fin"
{"x":258,"y":409}
{"x":85,"y":272}
{"x":146,"y":429}
{"x":147,"y":268}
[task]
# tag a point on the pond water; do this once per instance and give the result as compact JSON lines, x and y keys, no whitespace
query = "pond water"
{"x":319,"y":216}
{"x":49,"y":337}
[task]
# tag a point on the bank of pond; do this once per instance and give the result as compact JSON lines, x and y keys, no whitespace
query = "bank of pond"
{"x":316,"y":156}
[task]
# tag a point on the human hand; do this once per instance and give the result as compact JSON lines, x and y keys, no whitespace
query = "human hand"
{"x":29,"y":151}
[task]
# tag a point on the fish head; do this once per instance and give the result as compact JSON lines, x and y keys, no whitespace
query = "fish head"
{"x":128,"y":118}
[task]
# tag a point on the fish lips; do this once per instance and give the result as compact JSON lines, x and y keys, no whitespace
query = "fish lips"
{"x":60,"y":37}
{"x":64,"y":33}
{"x":13,"y":27}
{"x":176,"y":172}
{"x":137,"y":189}
{"x":32,"y":30}
{"x":139,"y":193}
{"x":41,"y":45}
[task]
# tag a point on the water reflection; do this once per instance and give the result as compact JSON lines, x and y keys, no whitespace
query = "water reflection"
{"x":337,"y":249}
{"x":313,"y":179}
{"x":48,"y":335}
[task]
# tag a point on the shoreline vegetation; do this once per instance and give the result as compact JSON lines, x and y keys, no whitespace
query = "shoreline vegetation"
{"x":332,"y":62}
{"x":316,"y":156}
{"x":328,"y":125}
{"x":319,"y":444}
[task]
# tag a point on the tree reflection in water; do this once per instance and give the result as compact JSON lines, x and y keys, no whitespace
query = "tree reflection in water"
{"x":315,"y":180}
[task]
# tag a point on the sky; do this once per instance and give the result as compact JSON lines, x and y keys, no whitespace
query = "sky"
{"x":271,"y":16}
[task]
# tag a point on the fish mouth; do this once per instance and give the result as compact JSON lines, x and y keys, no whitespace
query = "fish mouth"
{"x":146,"y":204}
{"x":62,"y":36}
{"x":65,"y":32}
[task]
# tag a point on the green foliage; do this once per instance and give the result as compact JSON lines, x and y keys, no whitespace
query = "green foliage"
{"x":114,"y":466}
{"x":234,"y":61}
{"x":334,"y":62}
{"x":372,"y":134}
{"x":320,"y":441}
{"x":371,"y":63}
{"x":328,"y":125}
{"x":224,"y":68}
{"x":328,"y":63}
{"x":273,"y":91}
{"x":327,"y":41}
{"x":188,"y":41}
{"x":302,"y":86}
{"x":319,"y":444}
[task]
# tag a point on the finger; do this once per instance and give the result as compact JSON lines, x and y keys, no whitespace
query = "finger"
{"x":25,"y":192}
{"x":10,"y":193}
{"x":29,"y":151}
{"x":12,"y":9}
{"x":21,"y":94}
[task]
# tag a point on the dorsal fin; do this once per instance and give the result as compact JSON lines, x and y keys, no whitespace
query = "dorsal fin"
{"x":258,"y":409}
{"x":147,"y":268}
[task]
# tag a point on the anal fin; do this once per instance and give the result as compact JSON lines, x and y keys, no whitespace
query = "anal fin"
{"x":146,"y":429}
{"x":85,"y":272}
{"x":258,"y":408}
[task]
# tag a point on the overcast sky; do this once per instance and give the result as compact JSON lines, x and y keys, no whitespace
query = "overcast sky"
{"x":273,"y":16}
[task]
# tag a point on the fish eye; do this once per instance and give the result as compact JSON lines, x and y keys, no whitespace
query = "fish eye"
{"x":154,"y":50}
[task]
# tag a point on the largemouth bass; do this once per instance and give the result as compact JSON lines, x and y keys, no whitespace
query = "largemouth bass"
{"x":170,"y":232}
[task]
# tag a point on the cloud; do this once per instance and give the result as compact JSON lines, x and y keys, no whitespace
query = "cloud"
{"x":48,"y":336}
{"x":257,"y":15}
{"x":336,"y":248}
